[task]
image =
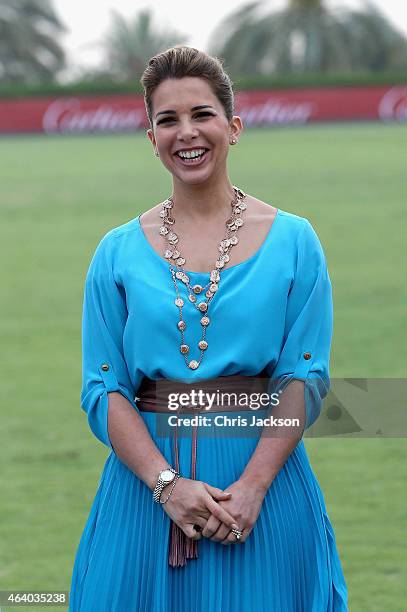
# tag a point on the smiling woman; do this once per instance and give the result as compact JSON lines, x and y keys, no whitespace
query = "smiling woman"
{"x":194,"y":154}
{"x":189,"y":135}
{"x":215,"y":287}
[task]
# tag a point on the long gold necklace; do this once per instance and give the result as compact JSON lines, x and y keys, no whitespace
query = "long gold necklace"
{"x":178,"y":272}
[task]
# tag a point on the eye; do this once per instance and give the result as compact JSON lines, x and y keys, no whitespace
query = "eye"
{"x":200,"y":114}
{"x":165,"y":120}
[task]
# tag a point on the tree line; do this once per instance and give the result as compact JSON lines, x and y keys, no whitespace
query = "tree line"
{"x":305,"y":37}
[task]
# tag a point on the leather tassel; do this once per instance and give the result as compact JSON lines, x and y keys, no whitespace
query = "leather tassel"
{"x":182,"y":547}
{"x":191,"y":548}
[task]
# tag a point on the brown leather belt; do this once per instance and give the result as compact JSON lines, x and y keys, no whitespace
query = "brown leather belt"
{"x":153,"y":396}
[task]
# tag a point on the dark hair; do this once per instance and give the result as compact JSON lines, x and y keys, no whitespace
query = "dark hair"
{"x":182,"y":61}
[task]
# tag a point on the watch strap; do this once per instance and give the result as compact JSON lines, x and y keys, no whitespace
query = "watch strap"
{"x":161,"y":483}
{"x":174,"y":482}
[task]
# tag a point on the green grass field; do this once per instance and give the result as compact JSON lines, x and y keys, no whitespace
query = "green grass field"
{"x":60,"y":195}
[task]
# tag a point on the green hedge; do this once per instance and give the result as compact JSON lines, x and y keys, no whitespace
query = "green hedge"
{"x":105,"y":86}
{"x":320,"y":80}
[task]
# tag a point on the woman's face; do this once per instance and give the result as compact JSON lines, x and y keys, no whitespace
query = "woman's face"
{"x":180,"y":126}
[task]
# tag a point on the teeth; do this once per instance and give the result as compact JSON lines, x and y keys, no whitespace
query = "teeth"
{"x":191,"y":154}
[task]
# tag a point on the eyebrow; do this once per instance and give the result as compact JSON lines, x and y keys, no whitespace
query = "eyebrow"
{"x":173,"y":112}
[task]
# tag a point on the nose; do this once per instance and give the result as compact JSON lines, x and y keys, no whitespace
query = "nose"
{"x":186,"y":130}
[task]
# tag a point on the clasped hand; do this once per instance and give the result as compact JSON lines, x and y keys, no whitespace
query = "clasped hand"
{"x":195,"y":502}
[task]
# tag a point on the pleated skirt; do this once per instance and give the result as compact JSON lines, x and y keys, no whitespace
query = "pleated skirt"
{"x":289,"y":562}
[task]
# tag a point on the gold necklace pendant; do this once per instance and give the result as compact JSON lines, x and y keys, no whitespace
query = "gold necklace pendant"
{"x":232,"y":224}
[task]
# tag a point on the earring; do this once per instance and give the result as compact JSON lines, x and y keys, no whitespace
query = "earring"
{"x":157,"y":154}
{"x":233,"y":141}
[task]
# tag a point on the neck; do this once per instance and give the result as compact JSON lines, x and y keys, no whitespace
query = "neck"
{"x":202,"y":203}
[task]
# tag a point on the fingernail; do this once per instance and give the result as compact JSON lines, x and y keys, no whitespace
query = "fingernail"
{"x":234,"y":526}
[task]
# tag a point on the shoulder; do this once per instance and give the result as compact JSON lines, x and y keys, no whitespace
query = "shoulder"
{"x":120,"y":231}
{"x":258,"y":208}
{"x":263,"y":211}
{"x":296,"y":233}
{"x":111,"y":245}
{"x":112,"y":238}
{"x":126,"y":232}
{"x":300,"y":231}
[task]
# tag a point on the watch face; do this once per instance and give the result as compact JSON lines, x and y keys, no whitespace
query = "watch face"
{"x":167,"y":476}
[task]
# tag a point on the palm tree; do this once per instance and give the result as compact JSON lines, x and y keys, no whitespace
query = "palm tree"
{"x":374,"y":42}
{"x":307,"y":37}
{"x":29,"y":48}
{"x":130,"y":43}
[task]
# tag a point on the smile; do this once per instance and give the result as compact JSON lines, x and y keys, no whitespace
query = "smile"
{"x":192,"y":161}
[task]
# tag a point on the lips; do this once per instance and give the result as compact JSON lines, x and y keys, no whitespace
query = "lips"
{"x":196,"y":148}
{"x":192,"y":162}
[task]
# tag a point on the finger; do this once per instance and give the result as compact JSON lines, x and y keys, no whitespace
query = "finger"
{"x":212,"y":525}
{"x":191,"y":532}
{"x":221,"y":534}
{"x":217,"y":493}
{"x":199,"y":523}
{"x":221,"y":514}
{"x":231,"y":538}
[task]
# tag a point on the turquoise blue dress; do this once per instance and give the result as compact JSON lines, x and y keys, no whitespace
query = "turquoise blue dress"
{"x":270,"y":310}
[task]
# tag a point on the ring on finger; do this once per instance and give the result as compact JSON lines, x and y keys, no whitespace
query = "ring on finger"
{"x":237,"y":533}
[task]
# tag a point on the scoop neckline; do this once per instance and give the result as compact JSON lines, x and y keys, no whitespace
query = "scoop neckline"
{"x":223,"y":270}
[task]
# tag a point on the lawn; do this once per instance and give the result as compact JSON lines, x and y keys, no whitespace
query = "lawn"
{"x":59,"y":195}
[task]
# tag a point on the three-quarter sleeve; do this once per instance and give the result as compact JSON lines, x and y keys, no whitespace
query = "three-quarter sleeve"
{"x":104,"y":318}
{"x":308,"y":326}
